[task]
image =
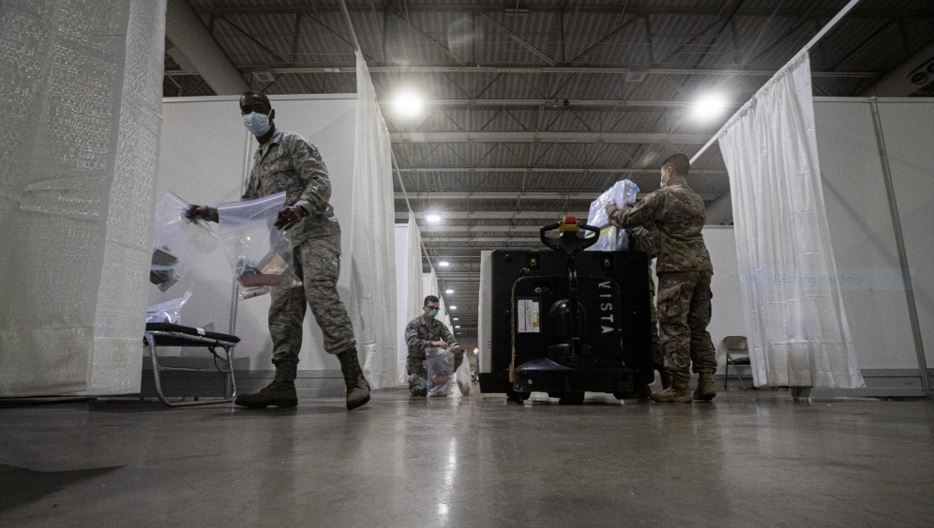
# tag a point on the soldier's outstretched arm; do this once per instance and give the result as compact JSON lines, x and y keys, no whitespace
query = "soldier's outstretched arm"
{"x":641,"y":213}
{"x":448,"y":337}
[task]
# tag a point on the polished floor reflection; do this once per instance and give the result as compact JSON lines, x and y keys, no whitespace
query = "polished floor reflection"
{"x":748,"y":459}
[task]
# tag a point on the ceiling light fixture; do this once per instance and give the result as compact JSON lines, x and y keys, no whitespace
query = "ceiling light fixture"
{"x":709,"y":107}
{"x":449,"y":291}
{"x":433,"y":218}
{"x":408,"y":104}
{"x":444,"y":264}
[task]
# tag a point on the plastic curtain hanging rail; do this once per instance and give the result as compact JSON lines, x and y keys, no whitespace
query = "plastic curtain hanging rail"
{"x":807,"y":47}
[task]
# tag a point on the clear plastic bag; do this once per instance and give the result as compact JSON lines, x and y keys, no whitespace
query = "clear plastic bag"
{"x":167,"y":312}
{"x":260,"y":254}
{"x":177,"y":243}
{"x":622,"y":193}
{"x":440,"y":366}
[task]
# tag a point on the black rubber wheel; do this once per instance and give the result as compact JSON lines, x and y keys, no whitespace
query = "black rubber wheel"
{"x":517,"y":397}
{"x":571,"y":398}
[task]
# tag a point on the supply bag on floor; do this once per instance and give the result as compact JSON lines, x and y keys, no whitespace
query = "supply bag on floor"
{"x":622,"y":193}
{"x":177,"y":243}
{"x":167,"y":312}
{"x":260,"y":254}
{"x":462,"y":376}
{"x":440,"y":366}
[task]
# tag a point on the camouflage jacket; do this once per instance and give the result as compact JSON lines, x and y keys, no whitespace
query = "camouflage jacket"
{"x":675,"y":215}
{"x":419,"y":334}
{"x":287,"y":162}
{"x":643,"y":240}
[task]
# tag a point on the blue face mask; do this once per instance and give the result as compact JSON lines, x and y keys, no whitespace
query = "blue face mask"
{"x":256,"y":123}
{"x":431,"y":312}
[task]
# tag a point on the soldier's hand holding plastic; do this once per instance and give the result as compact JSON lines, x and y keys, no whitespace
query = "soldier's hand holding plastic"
{"x":610,"y":209}
{"x":201,"y":212}
{"x":288,"y":217}
{"x":441,"y":343}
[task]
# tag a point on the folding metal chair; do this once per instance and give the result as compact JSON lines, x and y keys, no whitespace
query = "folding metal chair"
{"x":737,"y":354}
{"x":165,"y":334}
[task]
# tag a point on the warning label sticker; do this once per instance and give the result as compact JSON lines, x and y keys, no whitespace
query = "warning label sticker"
{"x":528,"y":315}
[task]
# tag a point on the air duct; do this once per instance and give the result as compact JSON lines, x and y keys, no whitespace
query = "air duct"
{"x":188,"y":34}
{"x":908,"y":78}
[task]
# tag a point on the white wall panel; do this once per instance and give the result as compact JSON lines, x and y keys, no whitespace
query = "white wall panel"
{"x":727,"y":304}
{"x":861,"y":228}
{"x":908,"y":129}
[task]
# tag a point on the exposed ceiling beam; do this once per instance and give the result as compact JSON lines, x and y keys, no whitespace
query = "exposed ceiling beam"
{"x":491,"y":215}
{"x":550,"y":137}
{"x":644,"y":9}
{"x":512,"y":195}
{"x":561,"y":170}
{"x":528,"y":70}
{"x":565,"y":103}
{"x":518,"y":40}
{"x":480,"y":229}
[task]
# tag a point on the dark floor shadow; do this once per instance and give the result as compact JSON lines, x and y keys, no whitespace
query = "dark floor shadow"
{"x":22,"y":486}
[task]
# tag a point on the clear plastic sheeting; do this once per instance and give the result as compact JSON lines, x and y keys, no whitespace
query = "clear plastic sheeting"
{"x":79,"y":150}
{"x":440,"y":366}
{"x":169,"y":311}
{"x":622,"y":193}
{"x":177,"y":243}
{"x":260,"y":254}
{"x":373,"y":279}
{"x":798,"y":329}
{"x":408,"y":287}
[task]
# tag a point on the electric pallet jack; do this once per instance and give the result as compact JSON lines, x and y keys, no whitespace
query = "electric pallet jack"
{"x":576,"y":321}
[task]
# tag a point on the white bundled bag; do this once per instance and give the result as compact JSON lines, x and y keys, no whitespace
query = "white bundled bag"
{"x":177,"y":243}
{"x":622,"y":193}
{"x":260,"y":254}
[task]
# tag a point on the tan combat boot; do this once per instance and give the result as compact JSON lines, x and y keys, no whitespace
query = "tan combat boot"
{"x":677,"y":393}
{"x":358,"y":389}
{"x":279,"y":393}
{"x":706,"y":389}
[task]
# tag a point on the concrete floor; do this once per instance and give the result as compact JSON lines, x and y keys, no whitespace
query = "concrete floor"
{"x":748,"y":459}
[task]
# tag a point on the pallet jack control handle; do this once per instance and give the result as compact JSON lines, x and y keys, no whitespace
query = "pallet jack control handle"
{"x":569,"y":243}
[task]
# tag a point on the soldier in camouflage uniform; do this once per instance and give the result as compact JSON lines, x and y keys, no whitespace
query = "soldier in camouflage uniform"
{"x":675,"y":213}
{"x":285,"y":161}
{"x":425,"y":332}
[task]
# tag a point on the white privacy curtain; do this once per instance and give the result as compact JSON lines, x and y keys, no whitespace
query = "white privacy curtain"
{"x":373,"y":306}
{"x":79,"y":149}
{"x":799,"y":335}
{"x":409,"y":287}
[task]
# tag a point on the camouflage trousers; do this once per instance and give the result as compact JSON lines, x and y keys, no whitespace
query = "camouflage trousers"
{"x":317,"y":263}
{"x":418,"y":373}
{"x":683,"y":314}
{"x":658,"y":359}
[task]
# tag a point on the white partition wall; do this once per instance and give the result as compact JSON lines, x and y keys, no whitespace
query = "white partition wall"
{"x":205,"y":158}
{"x":727,"y":305}
{"x":908,"y":131}
{"x":862,"y":228}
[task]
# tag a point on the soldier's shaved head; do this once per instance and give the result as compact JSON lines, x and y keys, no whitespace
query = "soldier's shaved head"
{"x":254,"y":101}
{"x":678,"y":163}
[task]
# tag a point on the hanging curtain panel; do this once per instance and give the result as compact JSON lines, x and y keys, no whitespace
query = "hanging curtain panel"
{"x":373,"y":306}
{"x":799,"y":335}
{"x":80,"y":151}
